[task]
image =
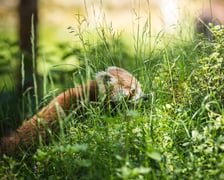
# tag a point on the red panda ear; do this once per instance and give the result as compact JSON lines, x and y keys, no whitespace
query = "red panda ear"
{"x":107,"y":79}
{"x":104,"y":80}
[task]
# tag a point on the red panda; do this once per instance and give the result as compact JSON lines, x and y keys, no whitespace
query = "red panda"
{"x":113,"y":84}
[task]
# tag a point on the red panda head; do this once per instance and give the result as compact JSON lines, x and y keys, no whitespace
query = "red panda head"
{"x":118,"y":84}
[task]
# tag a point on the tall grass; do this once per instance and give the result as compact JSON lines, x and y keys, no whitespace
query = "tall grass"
{"x":175,"y":134}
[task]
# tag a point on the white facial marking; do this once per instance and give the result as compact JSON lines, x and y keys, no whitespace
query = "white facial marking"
{"x":121,"y":83}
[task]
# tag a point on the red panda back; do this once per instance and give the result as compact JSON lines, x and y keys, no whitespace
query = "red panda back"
{"x":120,"y":84}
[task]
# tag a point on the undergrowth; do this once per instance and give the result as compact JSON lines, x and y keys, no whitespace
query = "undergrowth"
{"x":176,"y":134}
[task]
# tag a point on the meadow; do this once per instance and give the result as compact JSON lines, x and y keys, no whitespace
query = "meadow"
{"x":176,"y":134}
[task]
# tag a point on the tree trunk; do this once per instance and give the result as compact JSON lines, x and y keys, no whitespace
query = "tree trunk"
{"x":27,"y":9}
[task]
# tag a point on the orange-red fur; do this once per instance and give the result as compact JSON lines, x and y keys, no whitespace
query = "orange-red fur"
{"x":113,"y":83}
{"x":27,"y":134}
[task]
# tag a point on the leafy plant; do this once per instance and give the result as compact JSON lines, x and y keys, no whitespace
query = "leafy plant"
{"x":177,"y":133}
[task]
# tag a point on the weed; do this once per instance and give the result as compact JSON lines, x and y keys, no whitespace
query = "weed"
{"x":176,"y":134}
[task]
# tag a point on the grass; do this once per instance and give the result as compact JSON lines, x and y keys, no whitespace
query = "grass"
{"x":176,"y":134}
